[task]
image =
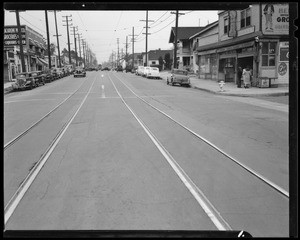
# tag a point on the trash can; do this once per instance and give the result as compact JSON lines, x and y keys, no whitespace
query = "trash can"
{"x":263,"y":82}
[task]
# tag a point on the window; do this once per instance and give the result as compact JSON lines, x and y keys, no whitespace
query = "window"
{"x":246,"y":18}
{"x":268,"y":53}
{"x":226,"y":25}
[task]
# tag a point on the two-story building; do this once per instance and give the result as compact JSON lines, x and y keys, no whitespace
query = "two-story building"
{"x":33,"y":49}
{"x":184,"y":52}
{"x":205,"y":62}
{"x":258,"y":37}
{"x":155,"y":55}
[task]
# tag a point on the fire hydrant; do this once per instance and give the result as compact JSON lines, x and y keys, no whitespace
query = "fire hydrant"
{"x":221,"y":84}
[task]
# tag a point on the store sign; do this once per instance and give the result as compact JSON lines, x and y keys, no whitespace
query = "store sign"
{"x":284,"y":51}
{"x":282,"y":68}
{"x":11,"y":36}
{"x":232,"y":24}
{"x":275,"y":19}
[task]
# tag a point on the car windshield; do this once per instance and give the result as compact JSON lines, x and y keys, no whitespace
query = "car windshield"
{"x":144,"y":120}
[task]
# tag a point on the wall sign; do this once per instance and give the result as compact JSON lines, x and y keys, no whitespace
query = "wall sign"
{"x":11,"y":36}
{"x":275,"y":19}
{"x":282,"y":68}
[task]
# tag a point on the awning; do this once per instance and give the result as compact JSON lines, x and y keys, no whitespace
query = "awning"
{"x":31,"y":42}
{"x":42,"y":61}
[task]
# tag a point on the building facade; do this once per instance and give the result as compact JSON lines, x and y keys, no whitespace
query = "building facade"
{"x":258,"y":37}
{"x":33,"y":49}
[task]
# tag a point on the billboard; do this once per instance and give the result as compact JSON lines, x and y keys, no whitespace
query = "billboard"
{"x":11,"y":36}
{"x":275,"y":19}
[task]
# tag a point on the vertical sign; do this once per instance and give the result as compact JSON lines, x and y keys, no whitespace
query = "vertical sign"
{"x":275,"y":19}
{"x":283,"y":62}
{"x":232,"y":24}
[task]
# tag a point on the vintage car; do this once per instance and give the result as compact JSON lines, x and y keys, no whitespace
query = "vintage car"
{"x":153,"y":72}
{"x":54,"y":74}
{"x":24,"y":81}
{"x":48,"y":76}
{"x":140,"y":70}
{"x":145,"y":71}
{"x":178,"y":76}
{"x":79,"y":73}
{"x":60,"y":72}
{"x":39,"y":77}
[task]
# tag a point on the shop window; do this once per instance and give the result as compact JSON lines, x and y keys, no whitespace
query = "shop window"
{"x":268,"y":53}
{"x":246,"y":18}
{"x":226,"y":25}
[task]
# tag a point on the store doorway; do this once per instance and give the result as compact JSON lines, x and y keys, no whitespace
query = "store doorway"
{"x":245,"y":61}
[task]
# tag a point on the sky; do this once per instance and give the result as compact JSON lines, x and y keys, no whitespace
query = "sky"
{"x":101,"y":29}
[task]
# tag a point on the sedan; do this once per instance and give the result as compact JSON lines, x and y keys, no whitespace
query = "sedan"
{"x":179,"y":77}
{"x":39,"y":77}
{"x":79,"y":73}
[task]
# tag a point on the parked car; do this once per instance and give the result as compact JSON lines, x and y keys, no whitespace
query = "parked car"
{"x":60,"y":72}
{"x":48,"y":76}
{"x":24,"y":81}
{"x":54,"y":73}
{"x":140,"y":70}
{"x":39,"y":77}
{"x":119,"y":69}
{"x":128,"y":69}
{"x":178,"y":76}
{"x":79,"y":73}
{"x":146,"y":71}
{"x":105,"y":69}
{"x":153,"y":72}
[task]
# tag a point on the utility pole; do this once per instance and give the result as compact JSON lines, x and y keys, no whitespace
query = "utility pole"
{"x":175,"y":43}
{"x":57,"y":39}
{"x":126,"y":46}
{"x":20,"y":42}
{"x":67,"y":21}
{"x":48,"y":39}
{"x":133,"y":40}
{"x":76,"y":57}
{"x":118,"y":53}
{"x":79,"y":44}
{"x":147,"y":36}
{"x":83,"y":51}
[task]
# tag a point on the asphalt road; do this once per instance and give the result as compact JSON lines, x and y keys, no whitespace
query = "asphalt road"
{"x":121,"y":164}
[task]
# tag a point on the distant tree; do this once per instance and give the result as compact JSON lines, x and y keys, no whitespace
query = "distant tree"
{"x":168,"y":61}
{"x":160,"y":61}
{"x":52,"y":49}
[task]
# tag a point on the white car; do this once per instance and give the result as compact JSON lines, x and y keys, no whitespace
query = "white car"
{"x":146,"y":71}
{"x":140,"y":71}
{"x":153,"y":72}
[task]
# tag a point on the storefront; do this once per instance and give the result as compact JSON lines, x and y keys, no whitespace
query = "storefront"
{"x":208,"y":66}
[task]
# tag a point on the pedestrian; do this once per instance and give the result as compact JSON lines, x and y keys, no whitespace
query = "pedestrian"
{"x":239,"y":77}
{"x":246,"y":77}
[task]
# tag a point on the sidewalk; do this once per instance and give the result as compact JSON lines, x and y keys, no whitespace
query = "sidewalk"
{"x":230,"y":88}
{"x":8,"y":87}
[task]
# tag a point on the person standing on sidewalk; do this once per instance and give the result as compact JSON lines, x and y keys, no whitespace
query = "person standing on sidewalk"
{"x":247,"y":77}
{"x":239,"y":76}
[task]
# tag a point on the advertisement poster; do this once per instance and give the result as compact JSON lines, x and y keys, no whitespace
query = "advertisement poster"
{"x":283,"y":62}
{"x":11,"y":36}
{"x":275,"y":19}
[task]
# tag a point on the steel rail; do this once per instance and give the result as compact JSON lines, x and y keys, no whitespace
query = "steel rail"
{"x":250,"y":170}
{"x":24,"y":186}
{"x":11,"y":142}
{"x":203,"y":201}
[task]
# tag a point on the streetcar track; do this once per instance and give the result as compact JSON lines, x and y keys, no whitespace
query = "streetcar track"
{"x":14,"y":140}
{"x":247,"y":168}
{"x":203,"y":201}
{"x":37,"y":166}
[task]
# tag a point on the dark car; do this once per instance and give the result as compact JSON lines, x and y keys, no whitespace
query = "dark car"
{"x":39,"y":77}
{"x":128,"y":69}
{"x":48,"y":76}
{"x":79,"y":73}
{"x":105,"y":69}
{"x":55,"y":74}
{"x":119,"y":69}
{"x":178,"y":76}
{"x":24,"y":81}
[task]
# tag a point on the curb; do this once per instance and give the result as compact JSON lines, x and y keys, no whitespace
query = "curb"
{"x":242,"y":94}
